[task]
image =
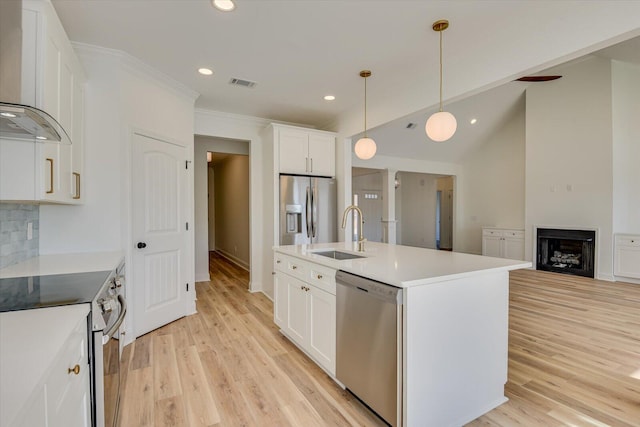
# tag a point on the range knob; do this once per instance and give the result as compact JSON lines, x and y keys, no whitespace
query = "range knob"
{"x":105,"y":305}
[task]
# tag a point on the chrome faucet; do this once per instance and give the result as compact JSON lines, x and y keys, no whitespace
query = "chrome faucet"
{"x":361,"y":239}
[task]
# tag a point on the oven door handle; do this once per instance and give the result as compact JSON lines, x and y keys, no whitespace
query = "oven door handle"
{"x":112,"y":330}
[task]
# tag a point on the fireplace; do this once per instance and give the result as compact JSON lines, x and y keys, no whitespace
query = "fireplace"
{"x":566,"y":251}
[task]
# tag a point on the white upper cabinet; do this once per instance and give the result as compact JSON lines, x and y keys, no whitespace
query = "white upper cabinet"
{"x":52,"y":80}
{"x":306,"y":151}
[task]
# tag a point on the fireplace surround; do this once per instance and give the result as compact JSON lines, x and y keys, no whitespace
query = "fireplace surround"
{"x":566,"y":251}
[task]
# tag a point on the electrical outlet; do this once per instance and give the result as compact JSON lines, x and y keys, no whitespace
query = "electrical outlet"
{"x":29,"y":230}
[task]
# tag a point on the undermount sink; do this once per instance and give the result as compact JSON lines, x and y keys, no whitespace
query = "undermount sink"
{"x":338,"y":255}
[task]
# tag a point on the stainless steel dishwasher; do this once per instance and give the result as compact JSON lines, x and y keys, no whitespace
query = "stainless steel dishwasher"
{"x":369,"y":343}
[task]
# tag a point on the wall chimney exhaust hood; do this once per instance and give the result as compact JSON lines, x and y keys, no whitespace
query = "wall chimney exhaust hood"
{"x":18,"y":121}
{"x":31,"y":124}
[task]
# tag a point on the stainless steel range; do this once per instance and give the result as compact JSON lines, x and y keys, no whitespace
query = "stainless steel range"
{"x":108,"y":310}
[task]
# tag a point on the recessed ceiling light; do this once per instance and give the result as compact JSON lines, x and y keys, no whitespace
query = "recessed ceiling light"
{"x":41,"y":138}
{"x":329,"y":97}
{"x":205,"y":71}
{"x":223,"y":5}
{"x":473,"y":121}
{"x":8,"y":115}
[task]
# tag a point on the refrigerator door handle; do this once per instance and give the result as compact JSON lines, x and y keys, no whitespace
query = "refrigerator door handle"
{"x":314,"y":211}
{"x":308,"y":212}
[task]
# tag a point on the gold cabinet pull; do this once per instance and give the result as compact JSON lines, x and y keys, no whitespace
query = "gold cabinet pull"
{"x":293,"y":267}
{"x":50,"y":191}
{"x":319,"y":276}
{"x":77,"y":192}
{"x":75,"y":370}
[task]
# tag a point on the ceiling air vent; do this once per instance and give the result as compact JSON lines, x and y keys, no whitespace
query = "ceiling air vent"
{"x":241,"y":82}
{"x":411,"y":126}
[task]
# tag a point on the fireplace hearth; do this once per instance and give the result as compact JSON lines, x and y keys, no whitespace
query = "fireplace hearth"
{"x":566,"y":251}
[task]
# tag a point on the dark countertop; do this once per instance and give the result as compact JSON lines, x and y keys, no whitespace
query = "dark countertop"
{"x":24,"y":293}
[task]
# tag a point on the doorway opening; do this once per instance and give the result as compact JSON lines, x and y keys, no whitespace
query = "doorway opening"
{"x":228,"y":207}
{"x":424,"y":209}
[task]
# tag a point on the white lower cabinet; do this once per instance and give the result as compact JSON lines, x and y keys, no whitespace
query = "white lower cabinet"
{"x":306,"y":310}
{"x":503,"y":243}
{"x":62,"y":396}
{"x":627,"y":256}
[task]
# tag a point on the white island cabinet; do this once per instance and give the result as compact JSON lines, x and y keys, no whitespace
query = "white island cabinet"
{"x":305,"y":307}
{"x":454,"y":321}
{"x":44,"y":373}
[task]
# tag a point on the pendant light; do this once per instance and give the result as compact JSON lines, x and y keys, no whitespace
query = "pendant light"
{"x":441,"y":125}
{"x":365,"y":147}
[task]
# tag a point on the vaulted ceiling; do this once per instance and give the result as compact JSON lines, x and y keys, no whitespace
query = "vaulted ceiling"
{"x":299,"y":51}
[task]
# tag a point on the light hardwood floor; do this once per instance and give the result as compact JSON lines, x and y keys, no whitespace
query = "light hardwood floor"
{"x":574,"y":360}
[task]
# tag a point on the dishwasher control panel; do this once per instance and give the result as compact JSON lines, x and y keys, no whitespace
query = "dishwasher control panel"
{"x":372,"y":287}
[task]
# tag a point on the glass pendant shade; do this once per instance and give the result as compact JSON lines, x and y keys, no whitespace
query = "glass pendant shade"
{"x":365,"y":148}
{"x":441,"y":126}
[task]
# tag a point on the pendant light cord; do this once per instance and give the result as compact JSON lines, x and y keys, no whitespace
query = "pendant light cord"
{"x":440,"y":70}
{"x":365,"y":107}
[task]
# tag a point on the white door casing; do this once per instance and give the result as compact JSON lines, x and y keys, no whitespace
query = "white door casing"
{"x":159,"y":233}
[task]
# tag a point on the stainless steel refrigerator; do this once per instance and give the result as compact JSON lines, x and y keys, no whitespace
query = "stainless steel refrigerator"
{"x":307,"y":210}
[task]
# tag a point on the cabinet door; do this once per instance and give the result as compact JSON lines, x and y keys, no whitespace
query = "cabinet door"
{"x":491,"y":246}
{"x":294,"y":151}
{"x":280,"y":300}
{"x":77,"y":148}
{"x":322,"y":153}
{"x":68,"y":398}
{"x":322,"y":327}
{"x":51,"y":78}
{"x":296,"y":326}
{"x":513,"y":248}
{"x":627,"y":261}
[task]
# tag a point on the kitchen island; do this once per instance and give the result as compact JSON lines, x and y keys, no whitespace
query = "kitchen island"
{"x":454,"y":321}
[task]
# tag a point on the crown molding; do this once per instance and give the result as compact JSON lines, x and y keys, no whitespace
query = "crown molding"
{"x":138,"y":67}
{"x":246,"y":120}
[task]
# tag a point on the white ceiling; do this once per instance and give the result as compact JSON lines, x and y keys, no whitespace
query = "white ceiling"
{"x":299,"y":51}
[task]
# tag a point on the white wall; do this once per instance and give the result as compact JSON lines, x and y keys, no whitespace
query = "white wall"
{"x":211,"y":218}
{"x":370,"y":182}
{"x":569,"y":164}
{"x":445,"y":186}
{"x":626,"y":147}
{"x":494,"y":183}
{"x":232,"y":208}
{"x":417,"y":213}
{"x":202,"y":144}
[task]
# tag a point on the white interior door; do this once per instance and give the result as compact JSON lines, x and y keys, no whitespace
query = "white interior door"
{"x":159,"y":229}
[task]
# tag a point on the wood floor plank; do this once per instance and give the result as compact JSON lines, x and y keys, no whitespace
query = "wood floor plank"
{"x":166,"y":376}
{"x":170,"y":412}
{"x":574,"y":360}
{"x":138,"y":410}
{"x":199,"y":404}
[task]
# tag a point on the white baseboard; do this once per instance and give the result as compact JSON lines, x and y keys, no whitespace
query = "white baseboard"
{"x":203,"y":278}
{"x":627,"y":279}
{"x":263,"y":293}
{"x":237,"y":261}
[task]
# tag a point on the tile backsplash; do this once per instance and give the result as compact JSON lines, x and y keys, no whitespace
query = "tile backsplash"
{"x":14,"y":220}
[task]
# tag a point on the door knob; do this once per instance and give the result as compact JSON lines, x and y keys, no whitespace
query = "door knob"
{"x":141,"y":245}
